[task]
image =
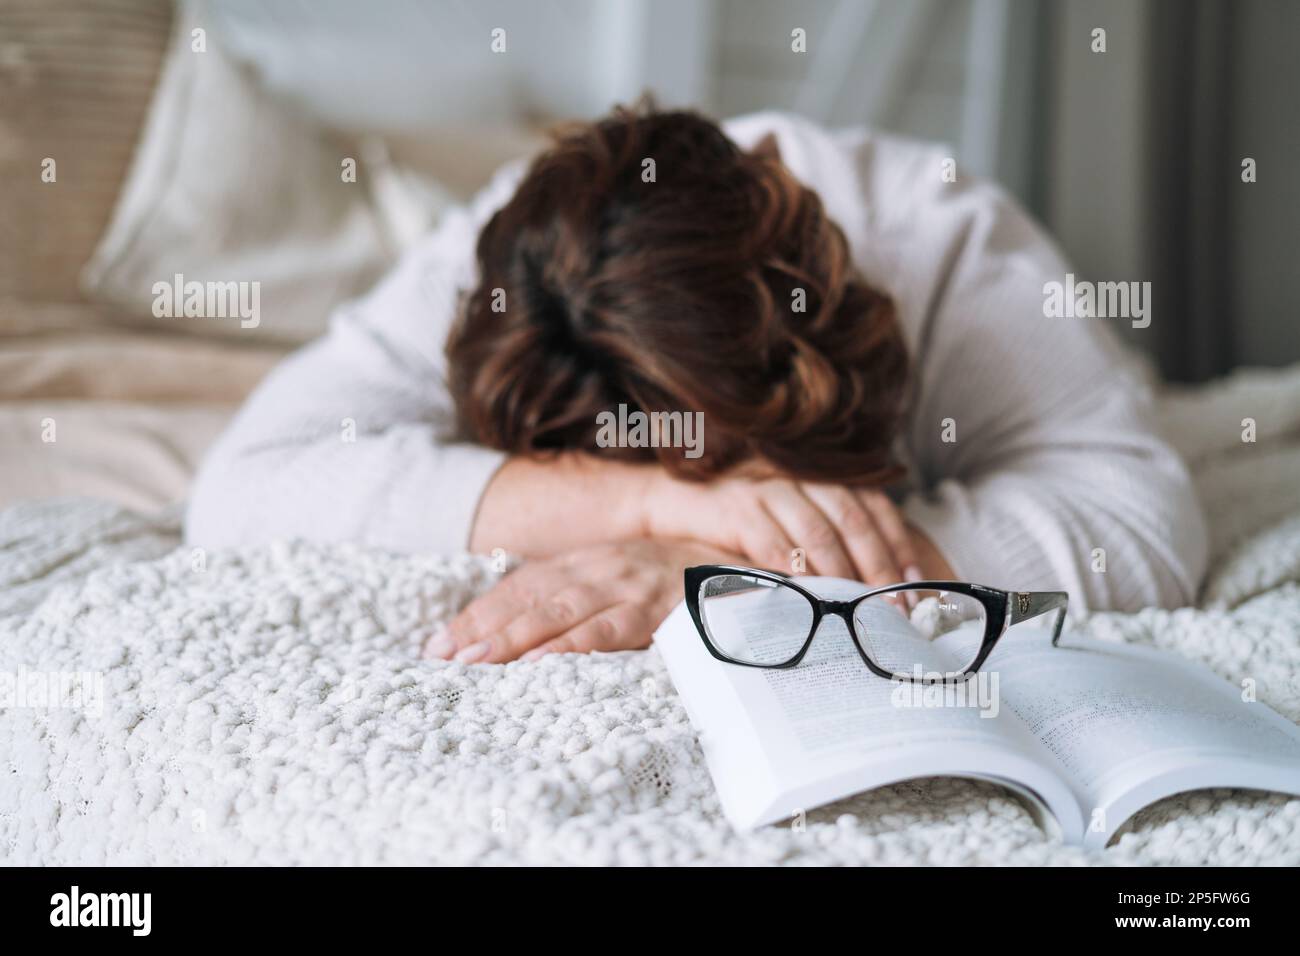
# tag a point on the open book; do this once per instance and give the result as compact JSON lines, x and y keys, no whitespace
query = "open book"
{"x":1089,"y":732}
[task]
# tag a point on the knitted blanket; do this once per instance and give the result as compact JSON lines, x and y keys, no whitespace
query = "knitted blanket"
{"x":268,"y":706}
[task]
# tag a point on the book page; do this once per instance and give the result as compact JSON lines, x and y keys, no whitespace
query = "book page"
{"x":1121,"y":720}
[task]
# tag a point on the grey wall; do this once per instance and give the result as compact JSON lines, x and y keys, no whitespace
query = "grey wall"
{"x":1142,"y":170}
{"x":1263,"y":230}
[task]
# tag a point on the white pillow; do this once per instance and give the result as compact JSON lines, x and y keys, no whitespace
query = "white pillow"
{"x":229,"y":185}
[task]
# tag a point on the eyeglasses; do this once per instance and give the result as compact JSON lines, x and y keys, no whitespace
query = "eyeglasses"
{"x":925,"y":631}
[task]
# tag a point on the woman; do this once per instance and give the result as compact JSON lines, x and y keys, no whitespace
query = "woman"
{"x":882,"y":396}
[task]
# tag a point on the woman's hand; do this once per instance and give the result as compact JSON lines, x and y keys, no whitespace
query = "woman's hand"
{"x":603,"y":598}
{"x":854,"y":533}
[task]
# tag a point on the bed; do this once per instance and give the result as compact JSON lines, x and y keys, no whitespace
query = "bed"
{"x":269,"y":705}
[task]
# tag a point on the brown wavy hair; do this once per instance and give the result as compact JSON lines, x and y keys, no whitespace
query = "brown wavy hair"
{"x":677,"y":294}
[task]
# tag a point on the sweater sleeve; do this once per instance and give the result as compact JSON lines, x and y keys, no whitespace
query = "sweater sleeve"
{"x":1037,"y":466}
{"x":353,"y":437}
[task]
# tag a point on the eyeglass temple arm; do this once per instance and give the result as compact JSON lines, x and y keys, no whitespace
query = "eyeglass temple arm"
{"x":1028,"y":604}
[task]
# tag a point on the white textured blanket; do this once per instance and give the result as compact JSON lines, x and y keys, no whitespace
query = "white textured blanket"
{"x":268,"y":706}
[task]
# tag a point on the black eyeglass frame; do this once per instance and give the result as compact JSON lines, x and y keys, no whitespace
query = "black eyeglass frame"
{"x":1002,"y":609}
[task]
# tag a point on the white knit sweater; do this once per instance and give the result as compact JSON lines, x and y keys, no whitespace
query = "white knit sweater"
{"x":1054,"y":457}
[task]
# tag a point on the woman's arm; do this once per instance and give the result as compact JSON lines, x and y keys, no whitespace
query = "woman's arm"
{"x":341,"y":443}
{"x":540,"y":508}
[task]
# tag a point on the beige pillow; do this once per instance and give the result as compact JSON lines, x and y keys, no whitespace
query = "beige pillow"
{"x":125,"y":366}
{"x":236,"y":219}
{"x":76,"y":78}
{"x":140,"y":454}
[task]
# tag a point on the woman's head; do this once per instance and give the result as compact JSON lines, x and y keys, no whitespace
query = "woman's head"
{"x":646,"y":260}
